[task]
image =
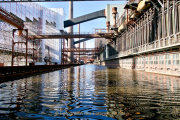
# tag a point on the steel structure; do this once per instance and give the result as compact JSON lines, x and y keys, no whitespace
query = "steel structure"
{"x":37,"y":20}
{"x":147,"y":38}
{"x":80,"y":50}
{"x":20,"y":42}
{"x":85,"y":18}
{"x":51,"y":0}
{"x":9,"y":18}
{"x":82,"y":40}
{"x":73,"y":35}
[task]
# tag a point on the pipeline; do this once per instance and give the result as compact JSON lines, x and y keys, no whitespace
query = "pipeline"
{"x":142,"y":6}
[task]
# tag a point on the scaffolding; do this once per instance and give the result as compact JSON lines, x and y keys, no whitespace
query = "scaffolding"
{"x":14,"y":46}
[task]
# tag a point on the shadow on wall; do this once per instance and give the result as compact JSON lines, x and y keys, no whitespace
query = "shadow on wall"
{"x":111,"y":63}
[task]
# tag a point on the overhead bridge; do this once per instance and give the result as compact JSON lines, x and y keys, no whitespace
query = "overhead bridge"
{"x":86,"y":54}
{"x":85,"y":18}
{"x":11,"y":19}
{"x":51,"y":0}
{"x":82,"y":40}
{"x":58,"y":36}
{"x":80,"y":50}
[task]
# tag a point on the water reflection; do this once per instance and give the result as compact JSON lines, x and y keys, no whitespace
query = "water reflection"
{"x":91,"y":92}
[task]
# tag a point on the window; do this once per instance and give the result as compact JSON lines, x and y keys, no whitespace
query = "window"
{"x":139,"y":59}
{"x":151,"y":60}
{"x":168,"y":59}
{"x":146,"y":60}
{"x":136,"y":60}
{"x":176,"y":59}
{"x":161,"y":59}
{"x":156,"y":60}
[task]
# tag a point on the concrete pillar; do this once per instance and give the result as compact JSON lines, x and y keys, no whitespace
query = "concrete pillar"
{"x":78,"y":45}
{"x":114,"y":12}
{"x":70,"y":40}
{"x":107,"y":51}
{"x":107,"y":25}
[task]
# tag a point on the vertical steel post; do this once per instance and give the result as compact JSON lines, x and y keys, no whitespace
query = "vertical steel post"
{"x":168,"y":22}
{"x":148,"y":28}
{"x":33,"y":50}
{"x":151,"y":30}
{"x":12,"y":62}
{"x":26,"y":45}
{"x":62,"y":51}
{"x":78,"y":46}
{"x":174,"y":19}
{"x":159,"y":29}
{"x":135,"y":33}
{"x":145,"y":30}
{"x":163,"y":24}
{"x":178,"y":9}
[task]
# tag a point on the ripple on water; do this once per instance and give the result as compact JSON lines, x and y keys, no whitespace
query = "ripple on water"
{"x":91,"y":92}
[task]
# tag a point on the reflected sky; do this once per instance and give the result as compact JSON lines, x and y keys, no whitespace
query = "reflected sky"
{"x":91,"y":92}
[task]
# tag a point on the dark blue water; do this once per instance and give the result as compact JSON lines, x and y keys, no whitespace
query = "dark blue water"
{"x":91,"y":92}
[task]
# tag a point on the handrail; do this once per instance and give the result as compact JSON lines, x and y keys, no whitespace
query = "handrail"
{"x":148,"y":46}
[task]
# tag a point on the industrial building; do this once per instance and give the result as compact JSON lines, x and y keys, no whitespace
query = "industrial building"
{"x":41,"y":72}
{"x":146,"y":37}
{"x":37,"y":20}
{"x":141,"y":35}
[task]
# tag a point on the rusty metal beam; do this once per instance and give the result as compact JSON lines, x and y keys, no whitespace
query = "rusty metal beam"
{"x":7,"y":17}
{"x":80,"y":50}
{"x":51,"y":0}
{"x":105,"y":35}
{"x":85,"y":54}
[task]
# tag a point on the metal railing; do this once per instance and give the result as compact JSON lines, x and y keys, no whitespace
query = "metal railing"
{"x":5,"y":47}
{"x":158,"y":44}
{"x":80,"y":49}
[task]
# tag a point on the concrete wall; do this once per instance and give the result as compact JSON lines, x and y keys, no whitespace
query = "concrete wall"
{"x":165,"y":63}
{"x":111,"y":63}
{"x":6,"y":59}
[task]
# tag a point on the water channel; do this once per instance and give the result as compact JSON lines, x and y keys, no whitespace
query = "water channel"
{"x":90,"y":92}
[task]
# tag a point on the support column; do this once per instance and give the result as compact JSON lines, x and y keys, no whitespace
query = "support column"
{"x":70,"y":40}
{"x":107,"y":26}
{"x":78,"y":45}
{"x":107,"y":51}
{"x":114,"y":12}
{"x":145,"y":30}
{"x":168,"y":22}
{"x":107,"y":47}
{"x":174,"y":19}
{"x":163,"y":24}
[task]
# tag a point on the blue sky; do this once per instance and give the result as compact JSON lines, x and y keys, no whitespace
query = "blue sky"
{"x":82,"y":8}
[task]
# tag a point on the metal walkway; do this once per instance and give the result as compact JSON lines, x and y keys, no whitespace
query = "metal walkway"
{"x":58,"y":36}
{"x":80,"y":50}
{"x":85,"y":18}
